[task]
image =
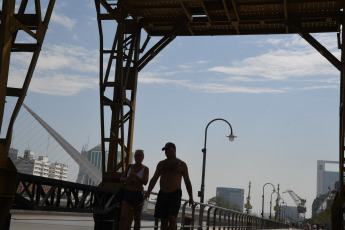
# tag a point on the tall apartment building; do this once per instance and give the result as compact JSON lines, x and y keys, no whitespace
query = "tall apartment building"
{"x":41,"y":166}
{"x":325,"y":179}
{"x":93,"y":155}
{"x":58,"y":171}
{"x":233,"y":195}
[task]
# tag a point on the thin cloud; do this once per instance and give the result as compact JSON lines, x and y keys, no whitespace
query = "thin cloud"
{"x":192,"y":65}
{"x":222,"y":88}
{"x":150,"y":78}
{"x":67,"y":70}
{"x":63,"y":20}
{"x":279,"y":65}
{"x":320,"y":87}
{"x":62,"y":85}
{"x":59,"y":57}
{"x":290,"y":63}
{"x":62,"y":58}
{"x":61,"y":70}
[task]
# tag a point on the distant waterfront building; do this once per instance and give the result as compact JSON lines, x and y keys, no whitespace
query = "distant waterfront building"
{"x":13,"y":153}
{"x":41,"y":166}
{"x":94,"y":156}
{"x":325,"y":179}
{"x":289,"y":213}
{"x":321,"y":202}
{"x":58,"y":171}
{"x":235,"y":196}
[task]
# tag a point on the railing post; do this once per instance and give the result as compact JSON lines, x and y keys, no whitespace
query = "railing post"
{"x":215,"y":218}
{"x":233,"y":221}
{"x":229,"y":214}
{"x":208,"y":217}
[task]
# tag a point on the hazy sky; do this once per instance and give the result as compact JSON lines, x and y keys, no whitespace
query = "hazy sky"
{"x":279,"y":94}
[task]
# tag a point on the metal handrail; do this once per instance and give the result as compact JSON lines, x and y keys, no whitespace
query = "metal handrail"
{"x":46,"y":194}
{"x":220,"y":218}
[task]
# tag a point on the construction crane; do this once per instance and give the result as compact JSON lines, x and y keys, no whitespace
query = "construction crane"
{"x":301,"y":209}
{"x":248,"y":206}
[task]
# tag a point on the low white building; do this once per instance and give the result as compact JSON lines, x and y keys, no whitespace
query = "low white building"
{"x":41,"y":166}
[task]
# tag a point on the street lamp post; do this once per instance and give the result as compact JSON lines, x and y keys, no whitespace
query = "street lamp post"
{"x":271,"y":204}
{"x":263,"y":197}
{"x":201,"y":193}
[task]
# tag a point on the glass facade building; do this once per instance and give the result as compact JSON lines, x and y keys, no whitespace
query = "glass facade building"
{"x":94,"y":156}
{"x":235,"y":196}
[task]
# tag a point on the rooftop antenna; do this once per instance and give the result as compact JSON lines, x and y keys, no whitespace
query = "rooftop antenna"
{"x":85,"y":147}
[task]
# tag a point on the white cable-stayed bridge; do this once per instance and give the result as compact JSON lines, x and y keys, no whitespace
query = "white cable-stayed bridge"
{"x":33,"y":133}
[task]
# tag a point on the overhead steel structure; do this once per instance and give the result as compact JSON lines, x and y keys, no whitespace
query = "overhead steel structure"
{"x":126,"y":55}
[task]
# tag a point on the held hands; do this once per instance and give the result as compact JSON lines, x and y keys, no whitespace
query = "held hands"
{"x":147,"y":195}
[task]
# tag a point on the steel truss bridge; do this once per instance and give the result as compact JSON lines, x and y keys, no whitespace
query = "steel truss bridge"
{"x":128,"y":55}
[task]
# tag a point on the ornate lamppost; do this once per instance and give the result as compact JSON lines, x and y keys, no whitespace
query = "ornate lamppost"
{"x":201,"y":193}
{"x":271,"y":203}
{"x":263,"y":197}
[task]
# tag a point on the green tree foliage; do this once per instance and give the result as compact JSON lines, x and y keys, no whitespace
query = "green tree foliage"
{"x":221,"y":202}
{"x":324,"y":217}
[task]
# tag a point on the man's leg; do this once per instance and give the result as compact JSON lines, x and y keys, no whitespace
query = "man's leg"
{"x":164,"y":223}
{"x":172,"y":225}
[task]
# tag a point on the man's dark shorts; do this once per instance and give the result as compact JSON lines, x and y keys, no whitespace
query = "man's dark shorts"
{"x":168,"y":204}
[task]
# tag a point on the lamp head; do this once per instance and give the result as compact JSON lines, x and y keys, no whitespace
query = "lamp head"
{"x":231,"y":137}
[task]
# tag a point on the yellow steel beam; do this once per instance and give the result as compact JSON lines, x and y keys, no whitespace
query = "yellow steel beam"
{"x":32,"y":25}
{"x":8,"y":172}
{"x":5,"y":49}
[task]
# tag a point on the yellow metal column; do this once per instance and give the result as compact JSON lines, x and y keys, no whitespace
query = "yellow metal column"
{"x":33,"y":26}
{"x":8,"y":172}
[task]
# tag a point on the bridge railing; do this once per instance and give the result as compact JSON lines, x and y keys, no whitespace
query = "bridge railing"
{"x":38,"y":193}
{"x":215,"y":217}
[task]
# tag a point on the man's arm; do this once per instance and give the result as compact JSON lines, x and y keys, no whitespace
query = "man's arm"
{"x":153,"y":181}
{"x":188,"y":184}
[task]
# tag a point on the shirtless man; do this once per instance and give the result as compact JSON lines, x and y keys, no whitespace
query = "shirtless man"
{"x":171,"y":171}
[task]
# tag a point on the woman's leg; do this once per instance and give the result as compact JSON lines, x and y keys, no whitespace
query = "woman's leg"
{"x":137,"y":217}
